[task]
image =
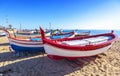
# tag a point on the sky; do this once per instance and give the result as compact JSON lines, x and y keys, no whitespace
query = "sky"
{"x":61,"y":14}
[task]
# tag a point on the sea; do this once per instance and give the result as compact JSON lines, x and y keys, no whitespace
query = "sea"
{"x":94,"y":32}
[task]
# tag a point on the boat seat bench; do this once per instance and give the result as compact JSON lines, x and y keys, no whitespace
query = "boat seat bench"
{"x":88,"y":41}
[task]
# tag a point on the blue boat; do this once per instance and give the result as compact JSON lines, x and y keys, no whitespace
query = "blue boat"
{"x":63,"y":35}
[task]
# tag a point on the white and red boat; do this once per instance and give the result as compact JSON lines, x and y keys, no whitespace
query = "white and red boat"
{"x":24,"y":44}
{"x":28,"y":44}
{"x":73,"y":48}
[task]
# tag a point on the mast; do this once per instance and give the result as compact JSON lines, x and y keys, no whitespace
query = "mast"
{"x":6,"y":20}
{"x":20,"y":26}
{"x":50,"y":26}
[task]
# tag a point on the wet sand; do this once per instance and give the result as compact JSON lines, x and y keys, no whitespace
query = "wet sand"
{"x":105,"y":64}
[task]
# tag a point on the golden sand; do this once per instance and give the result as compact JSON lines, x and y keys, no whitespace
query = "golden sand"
{"x":106,"y":64}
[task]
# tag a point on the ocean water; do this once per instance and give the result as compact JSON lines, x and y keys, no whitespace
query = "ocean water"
{"x":94,"y":32}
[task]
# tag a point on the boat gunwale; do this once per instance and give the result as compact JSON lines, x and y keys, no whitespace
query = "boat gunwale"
{"x":18,"y":39}
{"x":79,"y":48}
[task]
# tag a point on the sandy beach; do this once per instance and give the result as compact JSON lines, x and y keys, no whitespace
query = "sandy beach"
{"x":105,"y":64}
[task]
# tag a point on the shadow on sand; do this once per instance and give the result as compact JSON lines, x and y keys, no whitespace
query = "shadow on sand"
{"x":4,"y":44}
{"x":38,"y":65}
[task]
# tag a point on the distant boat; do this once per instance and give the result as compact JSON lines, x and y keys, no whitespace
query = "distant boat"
{"x":75,"y":33}
{"x":2,"y":34}
{"x":82,"y":34}
{"x":73,"y":48}
{"x":24,"y":45}
{"x":47,"y":34}
{"x":63,"y":35}
{"x":28,"y":34}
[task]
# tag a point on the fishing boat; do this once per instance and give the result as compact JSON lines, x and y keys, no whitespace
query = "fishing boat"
{"x":63,"y":35}
{"x":56,"y":31}
{"x":82,"y":34}
{"x":28,"y":35}
{"x":2,"y":34}
{"x":24,"y":45}
{"x":73,"y":48}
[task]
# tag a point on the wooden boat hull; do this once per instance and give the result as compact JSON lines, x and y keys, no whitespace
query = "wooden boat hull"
{"x":72,"y":48}
{"x":65,"y":35}
{"x":31,"y":35}
{"x":82,"y":34}
{"x":2,"y":34}
{"x":59,"y":53}
{"x":24,"y":45}
{"x":18,"y":48}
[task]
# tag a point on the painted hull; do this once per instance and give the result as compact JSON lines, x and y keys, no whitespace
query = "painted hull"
{"x":65,"y":35}
{"x":26,"y":46}
{"x":59,"y":53}
{"x":18,"y":48}
{"x":31,"y":35}
{"x":82,"y":33}
{"x":2,"y":34}
{"x":73,"y":48}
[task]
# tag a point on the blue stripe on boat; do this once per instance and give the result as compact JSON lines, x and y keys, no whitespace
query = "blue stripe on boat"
{"x":60,"y":36}
{"x":36,"y":39}
{"x":24,"y":49}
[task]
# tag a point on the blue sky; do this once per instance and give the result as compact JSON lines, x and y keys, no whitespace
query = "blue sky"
{"x":63,"y":14}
